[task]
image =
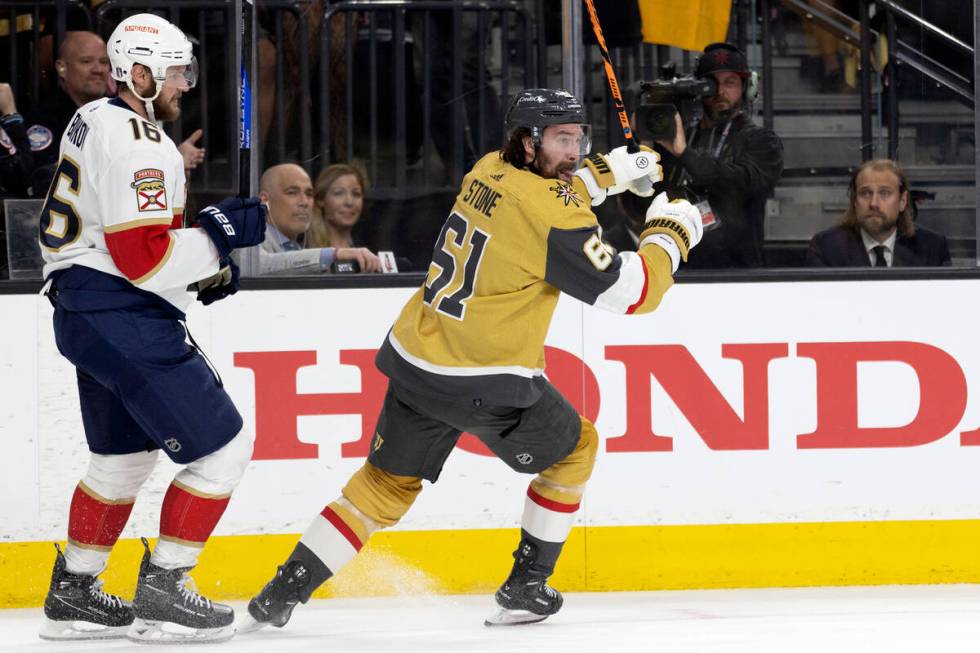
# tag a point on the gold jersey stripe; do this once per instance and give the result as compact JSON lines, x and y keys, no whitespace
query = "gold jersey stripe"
{"x":197,"y":493}
{"x":187,"y":543}
{"x":136,"y":224}
{"x":90,"y":547}
{"x":101,"y":499}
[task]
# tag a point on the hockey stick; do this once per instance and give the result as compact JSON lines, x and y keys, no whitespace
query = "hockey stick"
{"x":617,"y":96}
{"x":245,"y":126}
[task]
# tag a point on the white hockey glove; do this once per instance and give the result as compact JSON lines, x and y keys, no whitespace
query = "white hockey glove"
{"x":674,"y":226}
{"x":609,"y":174}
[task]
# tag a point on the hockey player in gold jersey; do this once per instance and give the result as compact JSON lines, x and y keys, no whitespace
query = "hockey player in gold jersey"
{"x":467,"y":351}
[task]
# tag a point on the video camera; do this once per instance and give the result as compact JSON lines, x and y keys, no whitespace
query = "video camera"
{"x":661,"y":99}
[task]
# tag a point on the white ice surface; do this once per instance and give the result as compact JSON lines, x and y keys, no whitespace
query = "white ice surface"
{"x":925,"y":619}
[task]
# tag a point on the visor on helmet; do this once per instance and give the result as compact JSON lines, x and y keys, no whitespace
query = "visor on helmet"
{"x":183,"y":77}
{"x":568,"y":137}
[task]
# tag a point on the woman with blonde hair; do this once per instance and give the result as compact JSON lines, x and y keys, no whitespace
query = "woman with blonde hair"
{"x":338,"y":198}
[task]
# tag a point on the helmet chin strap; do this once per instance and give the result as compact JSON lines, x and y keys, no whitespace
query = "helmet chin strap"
{"x":533,"y":164}
{"x":147,"y":101}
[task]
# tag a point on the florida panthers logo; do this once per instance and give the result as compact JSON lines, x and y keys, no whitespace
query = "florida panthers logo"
{"x":151,"y":195}
{"x":566,"y":193}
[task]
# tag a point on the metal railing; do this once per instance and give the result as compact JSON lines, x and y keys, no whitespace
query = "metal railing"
{"x":898,"y":52}
{"x":403,"y":81}
{"x":290,"y":32}
{"x":212,"y":104}
{"x":417,"y":115}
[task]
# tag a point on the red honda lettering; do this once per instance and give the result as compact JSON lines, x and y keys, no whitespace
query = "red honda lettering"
{"x":942,"y":394}
{"x":278,"y":405}
{"x":695,"y":395}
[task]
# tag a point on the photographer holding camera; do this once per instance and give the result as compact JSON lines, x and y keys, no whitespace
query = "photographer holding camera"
{"x":724,"y":164}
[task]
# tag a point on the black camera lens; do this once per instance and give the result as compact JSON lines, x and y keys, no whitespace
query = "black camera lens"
{"x":659,"y":122}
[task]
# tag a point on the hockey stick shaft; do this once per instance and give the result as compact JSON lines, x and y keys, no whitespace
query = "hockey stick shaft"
{"x":617,"y":96}
{"x":245,"y":126}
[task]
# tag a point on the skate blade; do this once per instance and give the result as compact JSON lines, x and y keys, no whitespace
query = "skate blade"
{"x":76,"y":630}
{"x":166,"y":632}
{"x":248,"y":624}
{"x":505,"y":617}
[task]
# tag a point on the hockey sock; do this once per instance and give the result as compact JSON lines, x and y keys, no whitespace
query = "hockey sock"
{"x":549,"y":512}
{"x":187,"y":519}
{"x":334,"y":538}
{"x":94,"y":525}
{"x":372,"y":499}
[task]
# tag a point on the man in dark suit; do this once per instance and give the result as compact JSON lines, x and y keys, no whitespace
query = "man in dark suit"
{"x":877,"y":229}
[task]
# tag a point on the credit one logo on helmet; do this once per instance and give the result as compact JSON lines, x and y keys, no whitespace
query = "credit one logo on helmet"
{"x":531,"y":98}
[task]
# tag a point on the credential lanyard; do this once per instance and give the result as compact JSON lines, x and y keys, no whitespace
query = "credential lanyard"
{"x":685,"y":175}
{"x":721,"y":141}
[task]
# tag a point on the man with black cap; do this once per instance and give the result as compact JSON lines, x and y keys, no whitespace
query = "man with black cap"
{"x":724,"y":164}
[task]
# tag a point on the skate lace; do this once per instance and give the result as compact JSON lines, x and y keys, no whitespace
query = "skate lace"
{"x":189,"y":594}
{"x":108,"y":600}
{"x":550,"y":591}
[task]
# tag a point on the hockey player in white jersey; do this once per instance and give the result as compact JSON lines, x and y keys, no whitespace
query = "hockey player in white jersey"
{"x":118,"y":265}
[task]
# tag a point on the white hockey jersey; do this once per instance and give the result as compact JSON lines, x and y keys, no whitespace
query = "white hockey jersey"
{"x":116,"y":204}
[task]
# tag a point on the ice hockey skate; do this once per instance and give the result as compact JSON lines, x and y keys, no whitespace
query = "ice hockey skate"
{"x":274,"y":604}
{"x":525,"y":597}
{"x":169,"y":610}
{"x":77,"y":608}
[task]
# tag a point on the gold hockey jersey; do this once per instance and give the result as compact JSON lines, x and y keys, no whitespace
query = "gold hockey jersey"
{"x":514,"y":240}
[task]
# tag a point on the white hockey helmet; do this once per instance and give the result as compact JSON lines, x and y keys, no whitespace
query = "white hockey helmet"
{"x":154,"y":42}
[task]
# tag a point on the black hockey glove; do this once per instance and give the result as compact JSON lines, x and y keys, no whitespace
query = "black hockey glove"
{"x":234,"y":222}
{"x":221,"y":285}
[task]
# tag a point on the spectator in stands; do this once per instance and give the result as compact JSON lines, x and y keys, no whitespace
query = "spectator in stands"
{"x":877,"y":228}
{"x":287,"y":191}
{"x":82,"y":69}
{"x":724,"y":164}
{"x":15,"y":148}
{"x":338,"y":203}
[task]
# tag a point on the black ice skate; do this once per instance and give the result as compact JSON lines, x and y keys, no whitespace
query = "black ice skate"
{"x":77,"y":608}
{"x":274,"y":604}
{"x":525,"y":597}
{"x":168,"y":608}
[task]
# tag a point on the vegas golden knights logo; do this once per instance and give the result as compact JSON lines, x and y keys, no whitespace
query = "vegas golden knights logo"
{"x":566,"y":193}
{"x":376,"y":442}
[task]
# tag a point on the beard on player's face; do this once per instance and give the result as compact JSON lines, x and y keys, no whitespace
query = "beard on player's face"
{"x":166,"y":107}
